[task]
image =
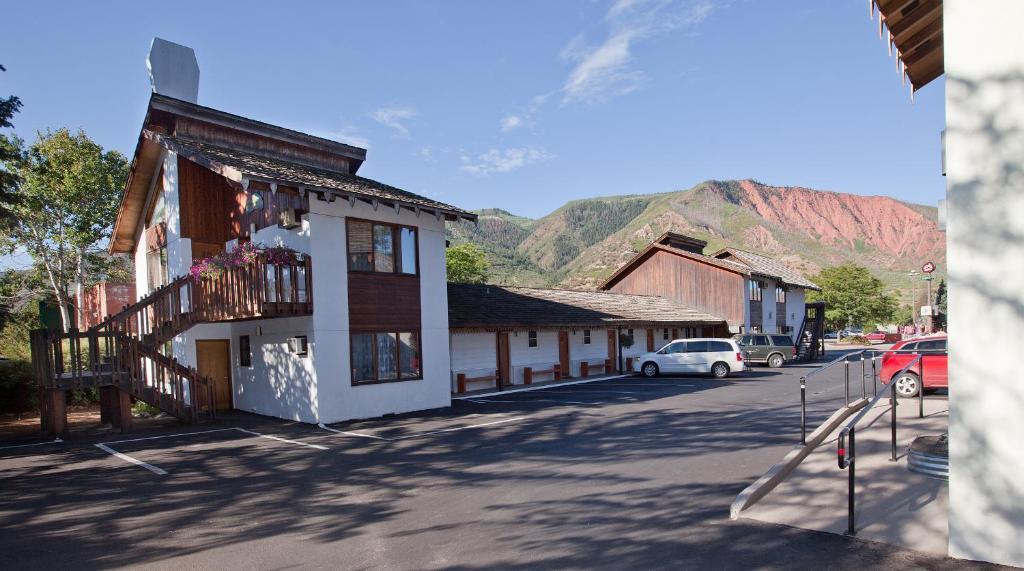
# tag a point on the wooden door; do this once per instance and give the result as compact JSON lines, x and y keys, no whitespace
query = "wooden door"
{"x":504,"y":362}
{"x":563,"y":353}
{"x":213,"y":359}
{"x":650,"y":340}
{"x":612,"y":353}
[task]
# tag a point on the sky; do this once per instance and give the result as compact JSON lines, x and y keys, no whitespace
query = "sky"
{"x":520,"y":105}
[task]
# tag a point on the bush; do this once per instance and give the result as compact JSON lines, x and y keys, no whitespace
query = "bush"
{"x":856,"y":340}
{"x":144,"y":409}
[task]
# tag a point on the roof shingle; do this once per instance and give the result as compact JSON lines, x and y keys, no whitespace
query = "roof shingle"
{"x":491,"y":306}
{"x":766,"y":266}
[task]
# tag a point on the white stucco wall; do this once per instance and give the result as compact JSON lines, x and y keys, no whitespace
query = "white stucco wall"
{"x":595,"y":352}
{"x":337,"y":399}
{"x":279,"y":383}
{"x":984,"y":62}
{"x":795,"y":304}
{"x":541,"y":357}
{"x":474,"y":354}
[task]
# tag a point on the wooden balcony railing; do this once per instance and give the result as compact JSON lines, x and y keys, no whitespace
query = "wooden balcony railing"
{"x":257,"y":290}
{"x":87,"y":359}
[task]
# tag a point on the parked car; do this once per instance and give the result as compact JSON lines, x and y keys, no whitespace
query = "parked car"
{"x":832,"y":335}
{"x":934,"y":359}
{"x":771,"y":350}
{"x":719,"y":357}
{"x":882,"y":337}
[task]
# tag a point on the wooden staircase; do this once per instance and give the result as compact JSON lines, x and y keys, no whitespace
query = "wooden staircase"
{"x":811,"y":338}
{"x":127,"y":351}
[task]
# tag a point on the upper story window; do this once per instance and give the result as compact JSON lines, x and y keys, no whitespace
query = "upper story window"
{"x":159,"y":211}
{"x":254,"y":201}
{"x":755,"y":290}
{"x":531,"y":339}
{"x":586,"y":337}
{"x":780,"y":295}
{"x":381,"y":248}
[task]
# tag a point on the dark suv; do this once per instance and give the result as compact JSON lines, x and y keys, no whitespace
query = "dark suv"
{"x":772,"y":350}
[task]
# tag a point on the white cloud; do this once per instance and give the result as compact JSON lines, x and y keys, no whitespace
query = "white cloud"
{"x":395,"y":117}
{"x":349,"y":134}
{"x":505,"y":160}
{"x":603,"y":71}
{"x":511,"y":122}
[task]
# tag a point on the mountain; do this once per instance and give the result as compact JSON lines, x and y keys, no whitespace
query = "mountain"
{"x":584,"y":241}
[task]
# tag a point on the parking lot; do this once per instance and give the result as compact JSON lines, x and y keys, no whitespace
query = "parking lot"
{"x":620,"y":473}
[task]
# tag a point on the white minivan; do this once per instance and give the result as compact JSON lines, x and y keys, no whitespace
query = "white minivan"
{"x":716,"y":356}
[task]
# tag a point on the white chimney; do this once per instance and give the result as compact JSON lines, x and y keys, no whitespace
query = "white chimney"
{"x":173,"y":70}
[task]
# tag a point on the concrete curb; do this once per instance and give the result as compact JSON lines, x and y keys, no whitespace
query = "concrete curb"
{"x":529,"y":388}
{"x":777,"y":473}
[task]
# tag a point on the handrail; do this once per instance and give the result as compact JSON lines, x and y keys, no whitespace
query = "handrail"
{"x":846,"y":459}
{"x":845,"y":358}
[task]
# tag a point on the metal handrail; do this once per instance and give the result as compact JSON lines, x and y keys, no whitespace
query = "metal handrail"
{"x":845,"y":359}
{"x":846,"y":459}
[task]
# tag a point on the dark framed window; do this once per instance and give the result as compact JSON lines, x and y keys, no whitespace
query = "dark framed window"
{"x":244,"y":351}
{"x":719,"y":347}
{"x":696,"y":346}
{"x":664,"y":334}
{"x":672,"y":348}
{"x":755,"y":290}
{"x":379,"y":247}
{"x":531,"y":339}
{"x":780,"y":295}
{"x":382,"y":357}
{"x":586,"y":337}
{"x":781,"y":340}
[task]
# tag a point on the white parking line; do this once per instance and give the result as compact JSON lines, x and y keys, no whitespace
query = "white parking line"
{"x":57,"y":441}
{"x":539,"y":387}
{"x":421,"y":434}
{"x":131,"y":460}
{"x":529,"y":401}
{"x":588,"y":390}
{"x":104,"y":446}
{"x":279,"y":439}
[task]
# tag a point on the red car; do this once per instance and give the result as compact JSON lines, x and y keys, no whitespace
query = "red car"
{"x":934,"y":359}
{"x":882,"y":337}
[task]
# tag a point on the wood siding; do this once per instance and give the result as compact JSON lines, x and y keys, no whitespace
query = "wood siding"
{"x":273,"y":204}
{"x":701,"y":286}
{"x":233,"y":138}
{"x":206,"y":199}
{"x":383,"y":302}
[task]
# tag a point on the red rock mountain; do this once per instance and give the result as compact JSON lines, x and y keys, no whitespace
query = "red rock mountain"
{"x":581,"y":243}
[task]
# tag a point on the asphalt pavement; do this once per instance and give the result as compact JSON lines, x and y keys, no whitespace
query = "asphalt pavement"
{"x":626,"y":473}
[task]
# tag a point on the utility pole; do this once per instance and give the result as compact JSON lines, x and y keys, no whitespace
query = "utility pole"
{"x":913,"y":299}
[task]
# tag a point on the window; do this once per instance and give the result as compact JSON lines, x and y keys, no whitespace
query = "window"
{"x":159,"y":211}
{"x":531,"y":339}
{"x":755,"y":290}
{"x":696,"y":346}
{"x":586,"y":337}
{"x":780,"y":295}
{"x":664,"y":334}
{"x":244,"y":351}
{"x":254,"y":201}
{"x":156,"y":268}
{"x":384,"y":357}
{"x":677,"y":347}
{"x":759,"y":340}
{"x":932,"y":346}
{"x":381,"y":248}
{"x":720,"y":347}
{"x":782,"y":340}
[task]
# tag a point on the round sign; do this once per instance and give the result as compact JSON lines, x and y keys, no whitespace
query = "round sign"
{"x":928,"y":268}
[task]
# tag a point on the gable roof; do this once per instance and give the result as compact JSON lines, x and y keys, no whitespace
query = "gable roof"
{"x":473,"y":306}
{"x":655,"y":247}
{"x":768,"y":267}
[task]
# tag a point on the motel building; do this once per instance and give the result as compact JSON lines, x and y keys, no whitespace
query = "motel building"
{"x":753,"y":293}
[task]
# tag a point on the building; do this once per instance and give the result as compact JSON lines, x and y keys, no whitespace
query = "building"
{"x":103,"y":300}
{"x":753,"y":293}
{"x":978,"y":46}
{"x":514,"y":335}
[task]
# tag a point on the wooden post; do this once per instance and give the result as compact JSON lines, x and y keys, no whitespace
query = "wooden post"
{"x":106,"y":404}
{"x":607,"y":365}
{"x":557,"y":369}
{"x":53,"y":412}
{"x":121,"y":409}
{"x":584,"y":368}
{"x":527,"y":375}
{"x":461,"y":382}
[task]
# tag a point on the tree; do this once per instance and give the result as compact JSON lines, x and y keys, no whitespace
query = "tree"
{"x":852,"y":296}
{"x":467,"y":264}
{"x":9,"y":154}
{"x":939,"y":319}
{"x":66,"y":201}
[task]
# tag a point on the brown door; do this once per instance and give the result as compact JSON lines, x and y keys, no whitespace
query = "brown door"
{"x":563,"y":353}
{"x":504,"y":366}
{"x":650,"y":340}
{"x":612,"y":356}
{"x":213,"y":359}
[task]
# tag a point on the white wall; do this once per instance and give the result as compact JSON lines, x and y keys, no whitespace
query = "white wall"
{"x":595,"y":352}
{"x":795,"y":305}
{"x":474,"y":354}
{"x":279,"y":383}
{"x":984,"y":62}
{"x":337,"y":399}
{"x":541,"y":357}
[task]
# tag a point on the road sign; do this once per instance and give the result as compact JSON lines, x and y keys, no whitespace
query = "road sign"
{"x":928,"y":267}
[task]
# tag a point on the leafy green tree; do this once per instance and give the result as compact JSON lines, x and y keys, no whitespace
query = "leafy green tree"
{"x":66,"y":200}
{"x":9,"y":154}
{"x":939,"y":321}
{"x":903,"y":316}
{"x":852,"y":296}
{"x":467,"y":264}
